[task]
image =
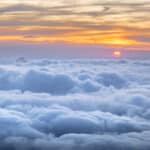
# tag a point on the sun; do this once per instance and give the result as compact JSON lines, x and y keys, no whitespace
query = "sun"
{"x":117,"y":53}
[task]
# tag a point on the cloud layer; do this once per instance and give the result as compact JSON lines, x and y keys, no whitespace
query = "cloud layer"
{"x":75,"y":104}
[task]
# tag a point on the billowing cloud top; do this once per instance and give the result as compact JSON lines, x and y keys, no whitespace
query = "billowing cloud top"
{"x":110,"y":22}
{"x":75,"y":104}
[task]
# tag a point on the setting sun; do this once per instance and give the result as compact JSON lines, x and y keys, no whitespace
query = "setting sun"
{"x":117,"y":53}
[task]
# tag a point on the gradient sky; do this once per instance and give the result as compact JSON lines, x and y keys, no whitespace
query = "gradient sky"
{"x":69,"y":27}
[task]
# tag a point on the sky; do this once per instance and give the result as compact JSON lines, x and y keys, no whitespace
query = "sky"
{"x":78,"y":28}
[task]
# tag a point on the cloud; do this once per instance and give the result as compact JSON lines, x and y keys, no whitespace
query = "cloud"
{"x":19,"y":7}
{"x":75,"y":104}
{"x":44,"y":81}
{"x":50,"y":16}
{"x":141,"y":39}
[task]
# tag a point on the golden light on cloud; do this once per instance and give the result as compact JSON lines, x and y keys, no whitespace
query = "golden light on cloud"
{"x":110,"y":23}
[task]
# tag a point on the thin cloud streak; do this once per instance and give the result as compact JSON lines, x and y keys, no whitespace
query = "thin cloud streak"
{"x":109,"y":16}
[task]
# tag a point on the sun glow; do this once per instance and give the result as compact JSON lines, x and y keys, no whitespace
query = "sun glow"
{"x":117,"y":53}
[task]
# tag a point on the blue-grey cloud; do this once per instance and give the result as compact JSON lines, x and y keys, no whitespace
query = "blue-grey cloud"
{"x":75,"y":104}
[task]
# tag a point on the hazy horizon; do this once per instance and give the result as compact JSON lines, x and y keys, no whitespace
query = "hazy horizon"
{"x":66,"y":50}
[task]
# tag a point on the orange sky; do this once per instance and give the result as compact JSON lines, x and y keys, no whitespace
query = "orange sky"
{"x":121,"y":23}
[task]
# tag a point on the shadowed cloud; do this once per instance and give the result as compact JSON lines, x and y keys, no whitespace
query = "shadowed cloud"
{"x":75,"y":104}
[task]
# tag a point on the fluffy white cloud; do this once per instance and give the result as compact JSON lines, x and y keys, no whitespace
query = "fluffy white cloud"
{"x":75,"y":104}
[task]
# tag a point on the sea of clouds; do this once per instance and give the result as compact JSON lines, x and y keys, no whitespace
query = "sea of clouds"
{"x":75,"y":105}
